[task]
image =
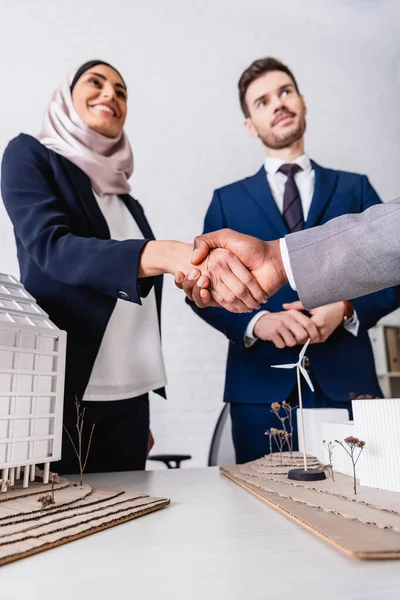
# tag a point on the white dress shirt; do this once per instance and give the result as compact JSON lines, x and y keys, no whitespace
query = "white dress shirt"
{"x":129,"y":362}
{"x":305,"y":181}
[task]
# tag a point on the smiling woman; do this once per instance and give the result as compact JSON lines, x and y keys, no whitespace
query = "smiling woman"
{"x":100,"y":98}
{"x":88,"y":255}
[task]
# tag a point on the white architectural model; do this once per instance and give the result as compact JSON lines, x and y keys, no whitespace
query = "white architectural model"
{"x":315,"y":422}
{"x":377,"y":422}
{"x":328,"y":424}
{"x":32,"y":369}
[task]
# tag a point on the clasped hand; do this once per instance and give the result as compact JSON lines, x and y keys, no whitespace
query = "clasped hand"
{"x":291,"y":326}
{"x":234,"y":271}
{"x":239,"y":272}
{"x":224,"y":281}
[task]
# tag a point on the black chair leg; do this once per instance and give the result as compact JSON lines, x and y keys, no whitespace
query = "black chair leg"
{"x":168,"y":459}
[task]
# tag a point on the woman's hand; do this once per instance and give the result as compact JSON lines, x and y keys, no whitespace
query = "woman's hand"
{"x":262,"y":259}
{"x":231,"y":284}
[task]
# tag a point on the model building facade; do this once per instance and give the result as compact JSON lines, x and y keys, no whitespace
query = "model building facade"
{"x":32,"y":369}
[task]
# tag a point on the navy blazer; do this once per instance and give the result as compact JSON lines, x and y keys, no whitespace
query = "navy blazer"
{"x":67,"y":260}
{"x":344,"y":363}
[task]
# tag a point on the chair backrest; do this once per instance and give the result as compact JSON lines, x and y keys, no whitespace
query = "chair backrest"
{"x":221,"y":450}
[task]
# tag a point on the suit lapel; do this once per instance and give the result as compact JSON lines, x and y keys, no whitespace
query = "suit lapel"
{"x":325,"y":183}
{"x":137,"y":213}
{"x":83,"y":188}
{"x":258,"y":187}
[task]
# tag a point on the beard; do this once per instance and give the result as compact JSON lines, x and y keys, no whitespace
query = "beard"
{"x":284,"y":140}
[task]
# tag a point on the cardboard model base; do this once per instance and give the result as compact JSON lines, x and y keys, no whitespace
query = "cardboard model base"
{"x":365,"y":525}
{"x":26,"y":528}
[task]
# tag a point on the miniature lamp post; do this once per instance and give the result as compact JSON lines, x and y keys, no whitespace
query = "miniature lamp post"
{"x":305,"y":474}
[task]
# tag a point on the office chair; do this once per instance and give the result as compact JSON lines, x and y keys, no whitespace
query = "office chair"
{"x":222,"y":451}
{"x":168,"y":459}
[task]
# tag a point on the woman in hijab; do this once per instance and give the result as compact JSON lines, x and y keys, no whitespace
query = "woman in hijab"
{"x":87,"y":254}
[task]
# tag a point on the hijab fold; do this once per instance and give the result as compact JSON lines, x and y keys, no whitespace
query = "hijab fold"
{"x":108,"y":162}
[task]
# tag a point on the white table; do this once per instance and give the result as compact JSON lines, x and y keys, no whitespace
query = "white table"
{"x":215,"y":541}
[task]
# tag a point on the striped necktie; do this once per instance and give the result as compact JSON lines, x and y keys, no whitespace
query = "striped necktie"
{"x":292,"y":207}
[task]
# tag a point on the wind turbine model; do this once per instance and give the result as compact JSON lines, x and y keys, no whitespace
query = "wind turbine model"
{"x":305,"y":474}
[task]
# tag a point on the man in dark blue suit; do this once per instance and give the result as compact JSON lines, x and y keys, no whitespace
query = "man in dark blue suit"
{"x":290,"y":192}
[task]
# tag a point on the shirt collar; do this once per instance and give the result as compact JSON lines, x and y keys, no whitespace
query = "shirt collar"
{"x":273,"y":164}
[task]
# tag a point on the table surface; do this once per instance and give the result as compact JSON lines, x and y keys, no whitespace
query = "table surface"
{"x":215,"y":541}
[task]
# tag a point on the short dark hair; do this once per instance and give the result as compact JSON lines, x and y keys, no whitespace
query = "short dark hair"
{"x":254,"y":71}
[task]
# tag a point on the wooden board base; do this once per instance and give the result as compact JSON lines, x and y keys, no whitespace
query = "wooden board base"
{"x":313,"y":508}
{"x":27,"y":529}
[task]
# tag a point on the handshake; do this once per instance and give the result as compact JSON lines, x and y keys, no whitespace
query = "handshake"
{"x":239,"y":272}
{"x":234,"y":271}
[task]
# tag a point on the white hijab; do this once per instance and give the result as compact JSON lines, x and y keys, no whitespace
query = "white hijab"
{"x":108,"y":162}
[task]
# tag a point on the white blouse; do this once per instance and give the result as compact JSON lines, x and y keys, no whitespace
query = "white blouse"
{"x":129,"y":362}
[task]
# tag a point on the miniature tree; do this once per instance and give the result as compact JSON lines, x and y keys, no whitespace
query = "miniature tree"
{"x":286,"y":422}
{"x":353,"y":444}
{"x":45,"y":501}
{"x":78,"y":449}
{"x":269,"y":434}
{"x":5,"y":484}
{"x":53,"y":479}
{"x":288,"y":408}
{"x":329,"y":467}
{"x":275,"y":408}
{"x":280,"y":437}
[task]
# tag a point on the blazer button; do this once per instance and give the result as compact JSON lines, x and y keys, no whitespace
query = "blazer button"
{"x":123,"y":295}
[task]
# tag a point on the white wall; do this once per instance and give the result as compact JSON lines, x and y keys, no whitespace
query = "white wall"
{"x":181,"y":61}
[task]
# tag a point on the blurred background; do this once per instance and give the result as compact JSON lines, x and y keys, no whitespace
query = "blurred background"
{"x":181,"y":61}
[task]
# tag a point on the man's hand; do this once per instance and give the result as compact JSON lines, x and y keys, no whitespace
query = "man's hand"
{"x":326,"y":318}
{"x":262,"y":259}
{"x":287,"y":328}
{"x":234,"y":287}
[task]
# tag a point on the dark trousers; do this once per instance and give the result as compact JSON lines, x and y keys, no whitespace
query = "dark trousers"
{"x":251,"y":421}
{"x":120,"y":435}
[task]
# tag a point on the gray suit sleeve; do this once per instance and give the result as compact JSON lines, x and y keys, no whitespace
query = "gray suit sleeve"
{"x":350,"y":256}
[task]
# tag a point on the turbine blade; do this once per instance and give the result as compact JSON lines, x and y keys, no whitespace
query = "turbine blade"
{"x":283,"y":366}
{"x":303,"y":350}
{"x":306,"y":377}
